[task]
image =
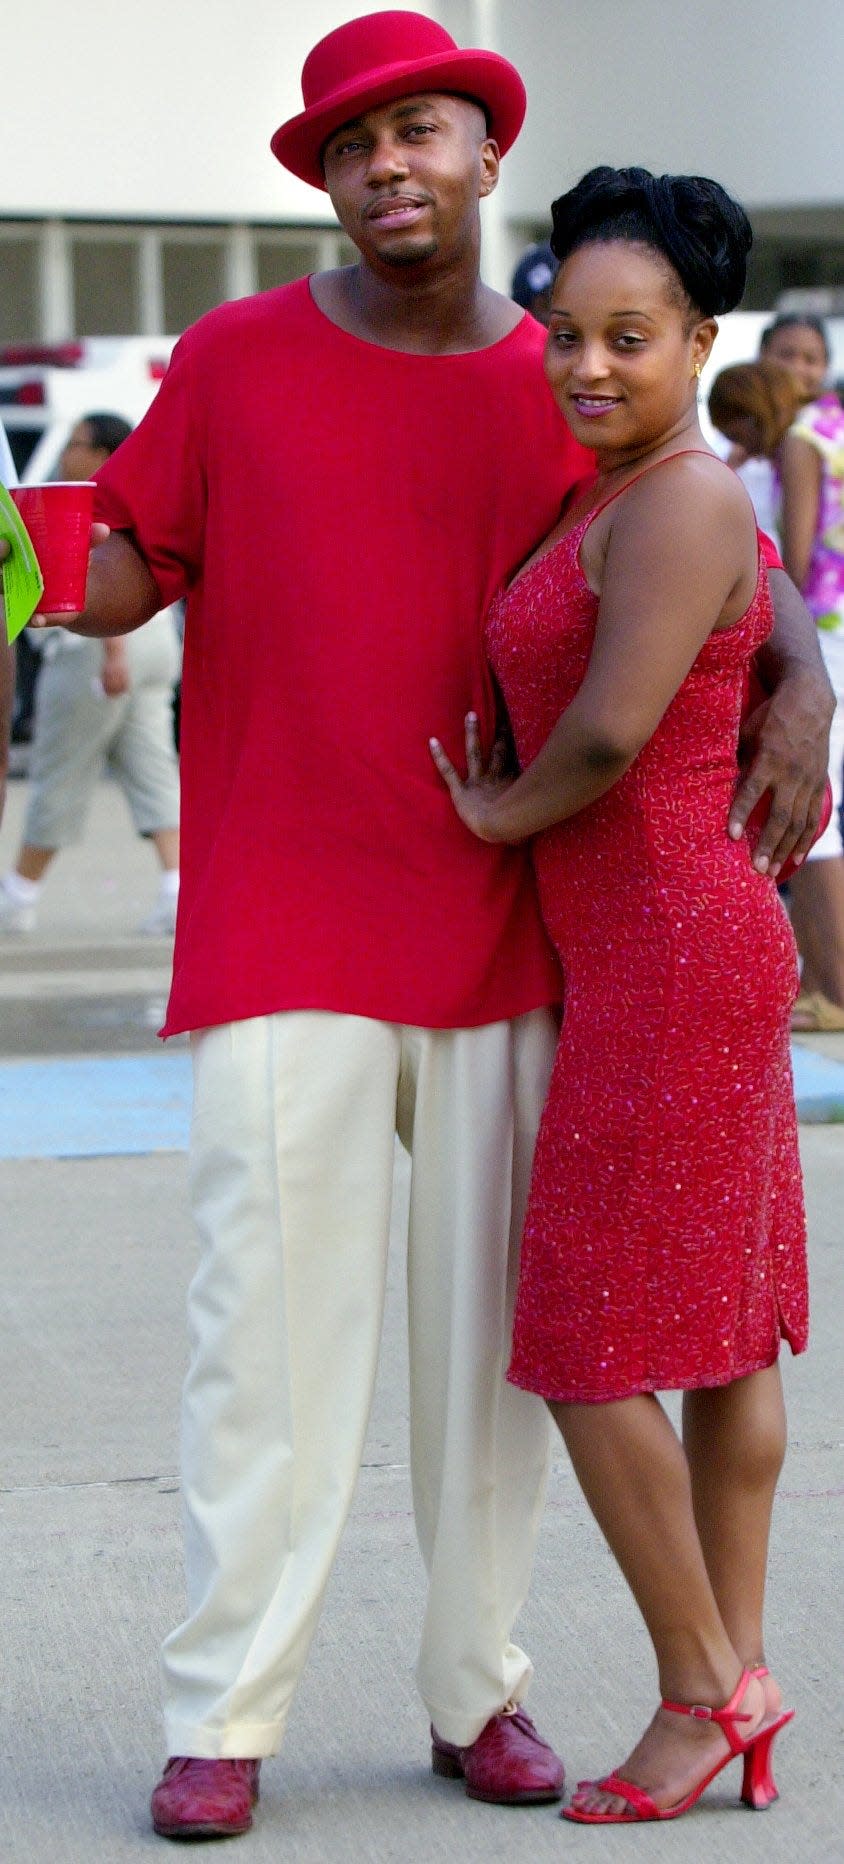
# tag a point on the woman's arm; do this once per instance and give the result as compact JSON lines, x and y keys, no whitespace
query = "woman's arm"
{"x":801,"y":470}
{"x":681,"y":545}
{"x":114,"y":674}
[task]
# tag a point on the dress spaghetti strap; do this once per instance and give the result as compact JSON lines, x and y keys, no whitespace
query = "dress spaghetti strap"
{"x":681,"y":454}
{"x":579,"y":529}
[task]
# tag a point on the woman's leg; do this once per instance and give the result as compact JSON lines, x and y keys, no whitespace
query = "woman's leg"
{"x":817,"y":917}
{"x":70,"y":739}
{"x":735,"y":1440}
{"x":634,"y":1474}
{"x":145,"y":762}
{"x":817,"y":889}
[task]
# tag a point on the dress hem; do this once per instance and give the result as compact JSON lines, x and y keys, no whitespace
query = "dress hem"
{"x":643,"y":1387}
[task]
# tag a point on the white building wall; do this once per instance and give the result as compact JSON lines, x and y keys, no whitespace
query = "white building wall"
{"x":748,"y":91}
{"x":158,"y":109}
{"x":164,"y":108}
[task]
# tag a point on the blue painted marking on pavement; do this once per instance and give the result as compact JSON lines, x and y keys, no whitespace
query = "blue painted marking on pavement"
{"x":121,"y":1104}
{"x":818,"y":1086}
{"x":94,"y":1108}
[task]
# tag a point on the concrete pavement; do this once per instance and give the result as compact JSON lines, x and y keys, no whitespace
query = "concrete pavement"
{"x":96,"y":1255}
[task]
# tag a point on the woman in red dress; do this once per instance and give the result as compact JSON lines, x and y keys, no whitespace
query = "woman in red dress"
{"x":664,"y":1244}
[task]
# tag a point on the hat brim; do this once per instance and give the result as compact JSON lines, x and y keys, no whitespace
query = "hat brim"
{"x":483,"y":76}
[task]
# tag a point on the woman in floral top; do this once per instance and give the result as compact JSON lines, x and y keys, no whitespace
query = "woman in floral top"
{"x":811,"y":463}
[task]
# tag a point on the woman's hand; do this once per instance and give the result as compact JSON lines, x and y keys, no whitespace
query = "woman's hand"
{"x":475,"y":798}
{"x":115,"y":674}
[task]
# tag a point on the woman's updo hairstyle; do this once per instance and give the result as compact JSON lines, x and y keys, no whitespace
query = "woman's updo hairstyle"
{"x":703,"y":233}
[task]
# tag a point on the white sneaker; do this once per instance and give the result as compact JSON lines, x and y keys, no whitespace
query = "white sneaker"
{"x":14,"y":916}
{"x":161,"y":922}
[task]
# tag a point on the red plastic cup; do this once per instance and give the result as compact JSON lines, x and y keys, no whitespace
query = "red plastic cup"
{"x":58,"y":518}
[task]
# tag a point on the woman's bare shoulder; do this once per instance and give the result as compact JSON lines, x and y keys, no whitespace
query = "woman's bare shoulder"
{"x":688,"y":488}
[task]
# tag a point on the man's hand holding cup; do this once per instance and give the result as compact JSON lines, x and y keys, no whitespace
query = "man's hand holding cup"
{"x":60,"y":523}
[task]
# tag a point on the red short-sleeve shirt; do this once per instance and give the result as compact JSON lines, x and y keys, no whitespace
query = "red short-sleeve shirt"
{"x":339,"y":516}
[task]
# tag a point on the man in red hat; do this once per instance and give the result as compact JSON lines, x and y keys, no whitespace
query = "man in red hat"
{"x":338,"y":475}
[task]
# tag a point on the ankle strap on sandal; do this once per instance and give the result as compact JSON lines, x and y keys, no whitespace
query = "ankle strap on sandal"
{"x":702,"y":1712}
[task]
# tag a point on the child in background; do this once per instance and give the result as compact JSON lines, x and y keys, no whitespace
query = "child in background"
{"x":753,"y":405}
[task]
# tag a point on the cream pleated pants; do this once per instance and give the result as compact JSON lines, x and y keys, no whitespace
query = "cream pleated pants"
{"x":292,"y":1150}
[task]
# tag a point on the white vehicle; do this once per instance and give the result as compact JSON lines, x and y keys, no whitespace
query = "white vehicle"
{"x":45,"y":388}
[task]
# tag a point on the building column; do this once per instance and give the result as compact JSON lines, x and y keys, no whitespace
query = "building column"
{"x":476,"y":22}
{"x":56,"y":283}
{"x":150,"y":286}
{"x":241,"y":277}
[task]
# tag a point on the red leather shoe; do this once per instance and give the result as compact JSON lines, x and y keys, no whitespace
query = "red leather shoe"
{"x":508,"y":1765}
{"x":205,"y":1798}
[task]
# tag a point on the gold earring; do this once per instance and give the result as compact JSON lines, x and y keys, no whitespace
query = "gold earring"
{"x":698,"y":370}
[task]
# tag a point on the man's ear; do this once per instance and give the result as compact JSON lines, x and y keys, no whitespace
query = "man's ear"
{"x":490,"y":167}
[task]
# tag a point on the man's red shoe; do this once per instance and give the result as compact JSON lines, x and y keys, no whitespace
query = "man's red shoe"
{"x":509,"y":1764}
{"x":205,"y":1798}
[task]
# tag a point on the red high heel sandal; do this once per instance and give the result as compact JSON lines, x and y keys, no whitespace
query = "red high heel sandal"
{"x":758,"y":1788}
{"x":768,"y":1784}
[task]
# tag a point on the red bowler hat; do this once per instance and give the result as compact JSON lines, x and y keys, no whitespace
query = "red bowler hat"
{"x":385,"y":55}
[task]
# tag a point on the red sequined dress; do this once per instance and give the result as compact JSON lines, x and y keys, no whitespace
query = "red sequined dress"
{"x":664,"y":1243}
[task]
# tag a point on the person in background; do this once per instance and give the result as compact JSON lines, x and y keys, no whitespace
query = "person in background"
{"x":6,"y":690}
{"x":532,"y":282}
{"x":800,"y":343}
{"x":8,"y":477}
{"x":26,"y":661}
{"x":100,"y":701}
{"x":27,"y":674}
{"x":811,"y":469}
{"x":753,"y":405}
{"x":7,"y":681}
